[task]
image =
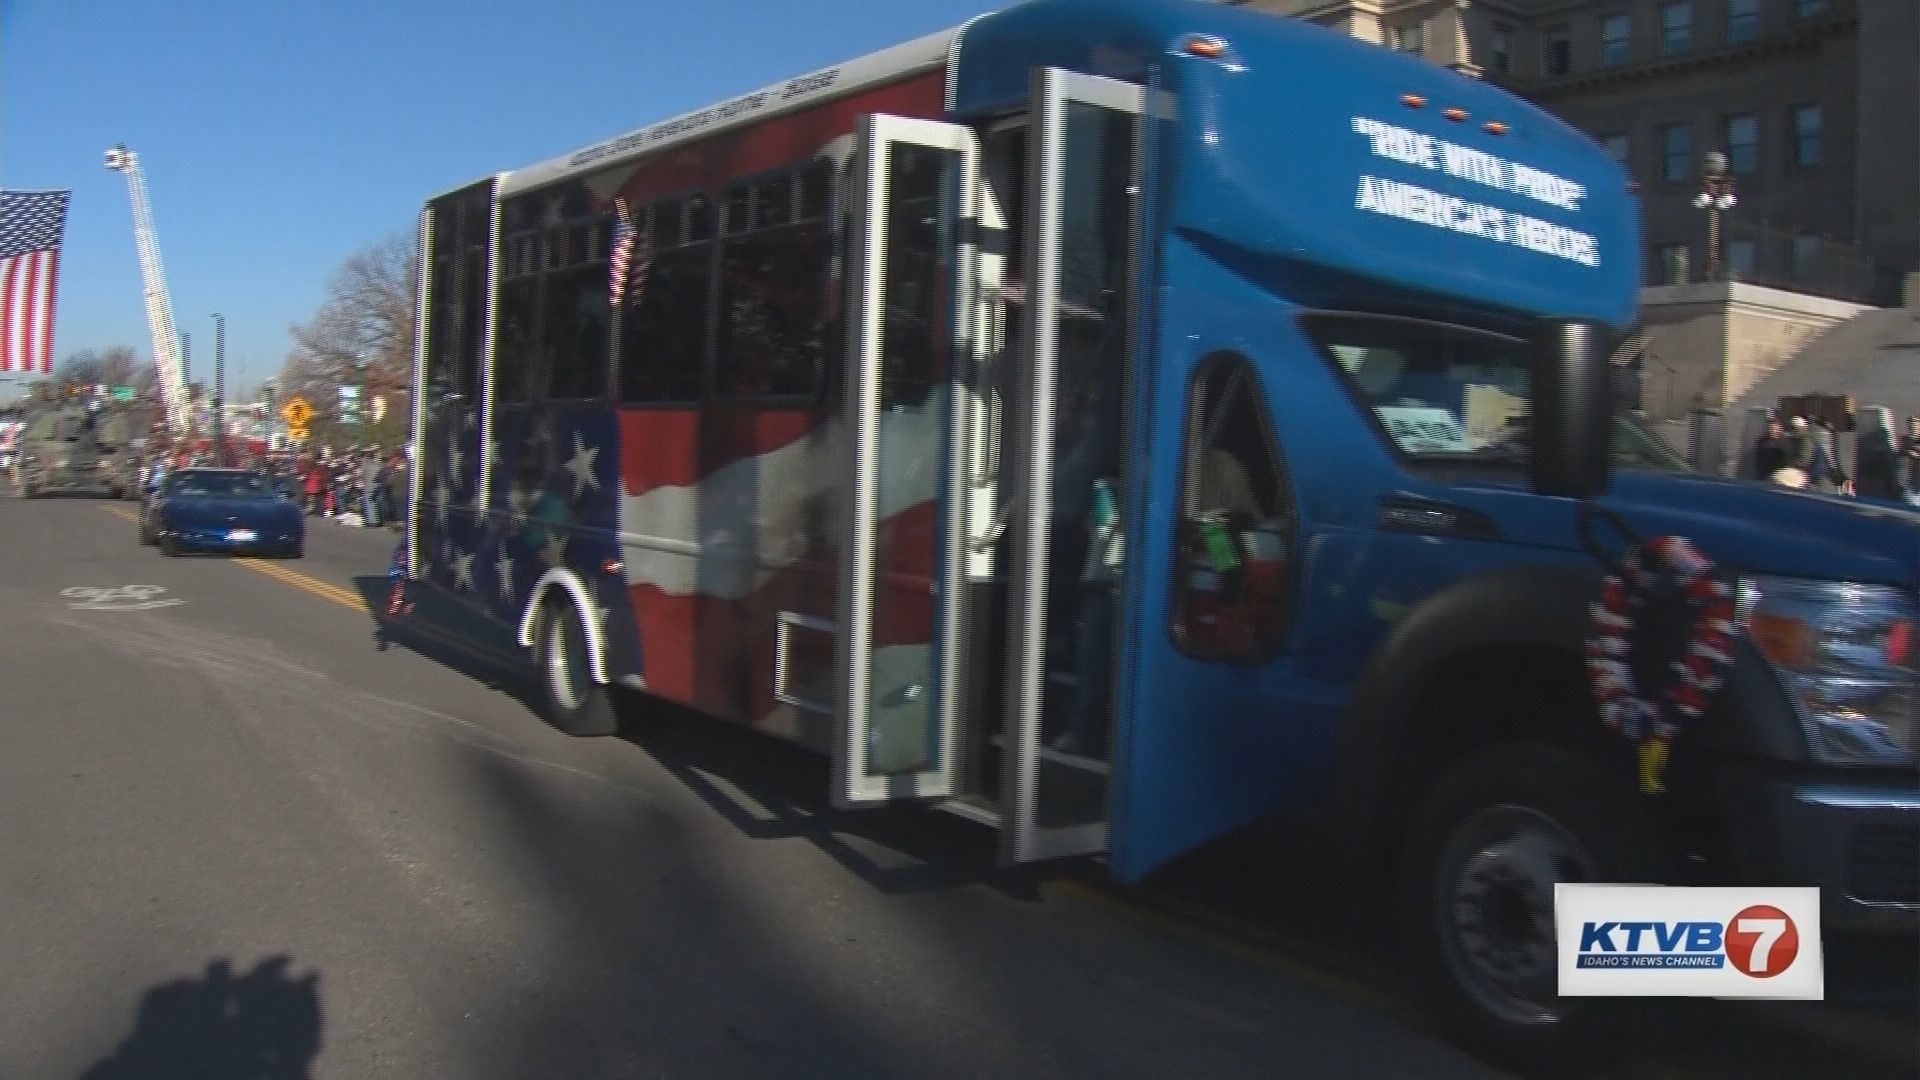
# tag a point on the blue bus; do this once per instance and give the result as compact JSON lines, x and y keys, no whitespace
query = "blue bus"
{"x":1120,"y":421}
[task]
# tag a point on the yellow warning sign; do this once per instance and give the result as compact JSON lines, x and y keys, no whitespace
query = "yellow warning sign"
{"x":296,"y":412}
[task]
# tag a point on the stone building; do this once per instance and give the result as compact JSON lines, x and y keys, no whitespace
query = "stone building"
{"x":1815,"y":103}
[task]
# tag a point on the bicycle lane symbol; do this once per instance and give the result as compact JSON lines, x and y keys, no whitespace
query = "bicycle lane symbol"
{"x":123,"y":598}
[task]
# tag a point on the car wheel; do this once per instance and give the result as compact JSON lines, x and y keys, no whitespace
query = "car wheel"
{"x":146,"y":538}
{"x":575,"y":703}
{"x":1485,"y":847}
{"x":168,"y":545}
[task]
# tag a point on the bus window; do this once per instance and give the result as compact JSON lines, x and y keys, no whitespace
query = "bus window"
{"x":578,"y":313}
{"x":772,"y":331}
{"x":664,"y":323}
{"x":513,"y":350}
{"x":1234,"y":547}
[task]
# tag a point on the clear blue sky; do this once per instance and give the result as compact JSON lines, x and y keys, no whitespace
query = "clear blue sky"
{"x":279,"y":137}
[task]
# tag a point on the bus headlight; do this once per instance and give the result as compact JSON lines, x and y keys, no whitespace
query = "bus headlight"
{"x":1848,"y":654}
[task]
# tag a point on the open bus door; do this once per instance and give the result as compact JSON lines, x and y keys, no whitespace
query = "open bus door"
{"x":1068,"y":479}
{"x":914,"y":198}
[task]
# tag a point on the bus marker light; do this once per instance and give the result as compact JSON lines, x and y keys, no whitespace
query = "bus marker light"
{"x":1207,"y":48}
{"x":1495,"y":127}
{"x":1456,"y":115}
{"x":1413,"y":101}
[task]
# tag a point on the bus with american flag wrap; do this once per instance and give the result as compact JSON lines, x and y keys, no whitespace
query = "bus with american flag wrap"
{"x":1107,"y":421}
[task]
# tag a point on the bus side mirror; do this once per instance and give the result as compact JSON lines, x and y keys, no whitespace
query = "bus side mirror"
{"x":1572,"y":409}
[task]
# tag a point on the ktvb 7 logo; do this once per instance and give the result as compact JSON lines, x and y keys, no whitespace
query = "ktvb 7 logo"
{"x":1760,"y":941}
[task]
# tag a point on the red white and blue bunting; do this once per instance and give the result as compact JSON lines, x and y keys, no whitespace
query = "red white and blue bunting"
{"x":1697,"y":674}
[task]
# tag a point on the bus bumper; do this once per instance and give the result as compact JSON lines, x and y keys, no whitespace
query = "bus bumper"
{"x":1857,"y":839}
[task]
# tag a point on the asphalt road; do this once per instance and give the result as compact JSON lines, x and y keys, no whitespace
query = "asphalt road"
{"x":243,"y":828}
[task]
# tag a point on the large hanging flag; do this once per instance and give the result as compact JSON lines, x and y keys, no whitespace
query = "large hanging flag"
{"x":32,"y":224}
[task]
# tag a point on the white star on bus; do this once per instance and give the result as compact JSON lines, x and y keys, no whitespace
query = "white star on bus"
{"x":581,"y":466}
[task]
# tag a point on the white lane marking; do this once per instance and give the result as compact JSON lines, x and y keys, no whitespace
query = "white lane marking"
{"x":121,"y":598}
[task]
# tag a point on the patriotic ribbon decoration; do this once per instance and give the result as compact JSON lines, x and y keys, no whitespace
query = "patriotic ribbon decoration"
{"x":1697,"y":675}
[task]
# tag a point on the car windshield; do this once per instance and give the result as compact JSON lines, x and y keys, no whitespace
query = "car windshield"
{"x":1446,"y":393}
{"x":218,"y":483}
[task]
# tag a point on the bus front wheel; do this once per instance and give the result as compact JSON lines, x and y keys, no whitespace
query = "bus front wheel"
{"x":575,"y":703}
{"x":1483,"y":851}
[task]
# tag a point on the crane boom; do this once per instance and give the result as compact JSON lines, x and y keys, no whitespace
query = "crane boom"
{"x":153,"y":281}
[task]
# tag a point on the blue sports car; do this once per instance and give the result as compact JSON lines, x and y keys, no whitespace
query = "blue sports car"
{"x":230,"y":510}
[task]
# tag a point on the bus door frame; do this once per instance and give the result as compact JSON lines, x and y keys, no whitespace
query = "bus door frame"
{"x":869,"y":190}
{"x":1029,"y":476}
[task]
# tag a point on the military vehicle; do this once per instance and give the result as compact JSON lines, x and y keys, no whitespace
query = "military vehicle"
{"x":78,"y":446}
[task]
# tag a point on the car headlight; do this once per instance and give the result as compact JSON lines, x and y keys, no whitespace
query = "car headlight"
{"x":1848,"y":653}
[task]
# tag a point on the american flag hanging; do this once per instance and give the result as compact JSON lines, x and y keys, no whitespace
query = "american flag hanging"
{"x":32,"y":224}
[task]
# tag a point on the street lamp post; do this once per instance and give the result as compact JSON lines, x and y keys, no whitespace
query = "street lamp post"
{"x":268,"y":425}
{"x":1716,"y":196}
{"x":220,"y":388}
{"x":360,"y":366}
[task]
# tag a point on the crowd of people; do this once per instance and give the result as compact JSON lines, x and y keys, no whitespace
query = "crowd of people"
{"x":1797,"y":453}
{"x":359,"y":485}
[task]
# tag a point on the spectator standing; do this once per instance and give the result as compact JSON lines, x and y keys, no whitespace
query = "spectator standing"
{"x":1771,"y":452}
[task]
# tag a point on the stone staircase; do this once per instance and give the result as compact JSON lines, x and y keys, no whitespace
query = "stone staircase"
{"x":1874,"y":358}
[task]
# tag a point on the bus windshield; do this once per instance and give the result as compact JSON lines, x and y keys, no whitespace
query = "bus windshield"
{"x":1448,"y":393}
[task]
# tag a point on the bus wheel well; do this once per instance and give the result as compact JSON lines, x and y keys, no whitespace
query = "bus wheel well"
{"x":1482,"y":698}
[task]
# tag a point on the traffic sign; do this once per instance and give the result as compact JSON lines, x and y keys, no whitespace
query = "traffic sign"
{"x":296,"y":433}
{"x":296,"y":412}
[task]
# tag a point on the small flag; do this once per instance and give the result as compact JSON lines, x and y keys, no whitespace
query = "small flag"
{"x":631,"y":255}
{"x":32,"y":224}
{"x":621,"y":252}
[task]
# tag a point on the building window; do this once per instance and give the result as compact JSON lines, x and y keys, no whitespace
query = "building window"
{"x":1500,"y":51}
{"x":1740,"y":258}
{"x":1743,"y":21}
{"x":1615,"y":39}
{"x":1616,"y":145}
{"x":1806,"y":135}
{"x":1670,"y":264}
{"x":1556,"y":53}
{"x":1743,"y":144}
{"x":1806,"y":252}
{"x":1676,"y":28}
{"x":1676,"y":153}
{"x":1409,"y":38}
{"x":1807,"y":9}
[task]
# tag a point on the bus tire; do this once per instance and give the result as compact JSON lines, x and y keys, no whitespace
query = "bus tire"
{"x":1481,"y":854}
{"x":574,"y":702}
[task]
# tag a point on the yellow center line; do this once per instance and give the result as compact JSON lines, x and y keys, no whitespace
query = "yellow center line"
{"x":325,"y":590}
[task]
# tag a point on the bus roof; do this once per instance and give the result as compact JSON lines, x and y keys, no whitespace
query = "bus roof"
{"x":874,"y":69}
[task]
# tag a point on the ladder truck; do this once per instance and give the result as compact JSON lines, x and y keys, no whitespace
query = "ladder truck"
{"x":166,"y":344}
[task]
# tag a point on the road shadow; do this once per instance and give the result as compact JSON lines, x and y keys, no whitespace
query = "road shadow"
{"x":765,"y":789}
{"x":261,"y":1025}
{"x":457,"y":640}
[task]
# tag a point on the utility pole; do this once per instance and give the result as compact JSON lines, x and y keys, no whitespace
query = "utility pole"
{"x":220,"y":388}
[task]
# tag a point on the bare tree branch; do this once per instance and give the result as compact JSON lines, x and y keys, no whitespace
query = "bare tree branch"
{"x":367,"y":315}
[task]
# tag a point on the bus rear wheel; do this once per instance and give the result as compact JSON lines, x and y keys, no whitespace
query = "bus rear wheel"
{"x":1484,"y":849}
{"x":574,"y":702}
